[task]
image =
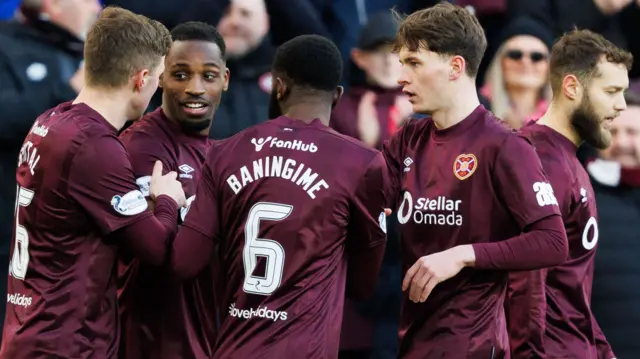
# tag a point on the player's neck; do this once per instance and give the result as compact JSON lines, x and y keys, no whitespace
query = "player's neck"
{"x":463,"y":105}
{"x":559,"y":119}
{"x":109,"y":104}
{"x":309,"y":113}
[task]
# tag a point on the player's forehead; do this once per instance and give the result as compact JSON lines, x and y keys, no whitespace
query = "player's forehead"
{"x":610,"y":74}
{"x":420,"y":54}
{"x":194,"y":53}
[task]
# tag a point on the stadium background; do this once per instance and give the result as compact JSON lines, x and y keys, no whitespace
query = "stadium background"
{"x":41,"y":65}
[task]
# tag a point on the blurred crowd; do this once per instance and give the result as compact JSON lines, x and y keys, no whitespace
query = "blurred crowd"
{"x":41,"y":65}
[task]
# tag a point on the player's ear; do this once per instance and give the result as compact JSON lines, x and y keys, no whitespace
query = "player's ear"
{"x":282,"y":89}
{"x":571,"y":87}
{"x":457,"y":67}
{"x":227,"y":73}
{"x":337,"y":95}
{"x":160,"y":80}
{"x":140,"y":79}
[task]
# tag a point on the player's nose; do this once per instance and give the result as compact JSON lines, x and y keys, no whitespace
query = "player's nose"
{"x":195,"y":88}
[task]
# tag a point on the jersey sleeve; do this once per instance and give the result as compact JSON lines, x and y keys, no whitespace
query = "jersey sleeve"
{"x":393,"y":151}
{"x":101,"y":181}
{"x":366,"y":234}
{"x":144,"y":150}
{"x":367,"y":221}
{"x":521,"y":182}
{"x":195,"y":243}
{"x":202,"y":214}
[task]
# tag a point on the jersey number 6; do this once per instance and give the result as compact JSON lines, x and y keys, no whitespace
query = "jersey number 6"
{"x":255,"y":247}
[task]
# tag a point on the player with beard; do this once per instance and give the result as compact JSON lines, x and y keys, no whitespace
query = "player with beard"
{"x":296,"y":221}
{"x":588,"y":77}
{"x":162,"y":319}
{"x":78,"y":200}
{"x":468,"y":207}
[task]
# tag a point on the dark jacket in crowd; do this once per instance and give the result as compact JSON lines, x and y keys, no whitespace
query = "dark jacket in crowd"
{"x":246,"y":102}
{"x":37,"y":60}
{"x":616,"y":284}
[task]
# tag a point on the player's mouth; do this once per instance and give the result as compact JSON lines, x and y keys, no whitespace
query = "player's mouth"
{"x":195,"y":108}
{"x":411,"y":96}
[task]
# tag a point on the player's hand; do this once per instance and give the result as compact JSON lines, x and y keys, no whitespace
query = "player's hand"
{"x":433,"y":269}
{"x":387,"y":212}
{"x":368,"y":124}
{"x":166,"y":185}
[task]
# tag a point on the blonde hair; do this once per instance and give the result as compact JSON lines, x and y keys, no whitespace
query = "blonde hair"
{"x":498,"y":95}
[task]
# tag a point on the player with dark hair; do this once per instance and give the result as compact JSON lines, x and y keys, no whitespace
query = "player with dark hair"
{"x":589,"y":76}
{"x":295,"y":220}
{"x":78,"y":201}
{"x":160,"y":318}
{"x":473,"y":201}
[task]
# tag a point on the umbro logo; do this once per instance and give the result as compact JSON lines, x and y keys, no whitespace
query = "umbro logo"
{"x":186,"y":171}
{"x":583,"y":194}
{"x":407,"y":162}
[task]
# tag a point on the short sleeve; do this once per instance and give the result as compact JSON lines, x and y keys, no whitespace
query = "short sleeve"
{"x":521,"y":182}
{"x":102,"y":183}
{"x":202,"y":213}
{"x":144,"y":150}
{"x":367,"y":221}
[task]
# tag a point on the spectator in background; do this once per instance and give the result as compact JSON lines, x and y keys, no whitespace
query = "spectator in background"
{"x":374,"y":106}
{"x":40,"y":58}
{"x":517,"y":81}
{"x":244,"y":27}
{"x":617,"y":20}
{"x":371,"y":110}
{"x":616,"y":285}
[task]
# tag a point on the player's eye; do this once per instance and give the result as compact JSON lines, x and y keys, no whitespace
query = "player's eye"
{"x":210,"y":76}
{"x":180,"y":75}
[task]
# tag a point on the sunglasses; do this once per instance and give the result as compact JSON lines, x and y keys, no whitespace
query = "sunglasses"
{"x":517,"y":55}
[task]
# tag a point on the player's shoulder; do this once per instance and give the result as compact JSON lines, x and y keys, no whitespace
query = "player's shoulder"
{"x":556,"y":160}
{"x":75,"y":124}
{"x":497,"y":131}
{"x":151,"y":125}
{"x":415,"y":126}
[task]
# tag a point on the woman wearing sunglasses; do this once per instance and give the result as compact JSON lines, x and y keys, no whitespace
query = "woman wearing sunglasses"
{"x":517,"y":80}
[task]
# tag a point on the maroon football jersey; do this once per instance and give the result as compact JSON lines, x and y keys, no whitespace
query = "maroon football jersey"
{"x":571,"y":329}
{"x":160,"y":318}
{"x":474,"y":182}
{"x":282,"y":200}
{"x":75,"y":187}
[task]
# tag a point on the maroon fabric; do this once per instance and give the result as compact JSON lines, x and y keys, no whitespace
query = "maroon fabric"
{"x":296,"y":222}
{"x":570,"y":329}
{"x":473,"y":183}
{"x":162,"y":319}
{"x":77,"y":188}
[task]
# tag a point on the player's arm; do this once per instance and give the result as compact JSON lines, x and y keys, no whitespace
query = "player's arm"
{"x":523,"y":187}
{"x":393,"y":151}
{"x":144,"y":150}
{"x":366,"y":235}
{"x":102,"y":183}
{"x":196,"y":239}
